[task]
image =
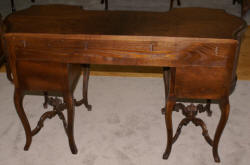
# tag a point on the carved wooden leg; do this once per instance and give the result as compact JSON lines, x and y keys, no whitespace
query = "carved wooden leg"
{"x":68,"y":99}
{"x":225,"y":109}
{"x":166,"y":75}
{"x":168,"y":119}
{"x":169,"y":109}
{"x":18,"y":99}
{"x":86,"y":71}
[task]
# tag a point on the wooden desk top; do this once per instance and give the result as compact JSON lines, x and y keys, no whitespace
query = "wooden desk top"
{"x":183,"y":22}
{"x":127,"y":37}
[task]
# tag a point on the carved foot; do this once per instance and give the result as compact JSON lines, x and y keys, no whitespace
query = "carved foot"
{"x":18,"y":100}
{"x":89,"y":107}
{"x":163,"y":111}
{"x":86,"y":72}
{"x":83,"y":101}
{"x":74,"y":149}
{"x":225,"y":109}
{"x":165,"y":155}
{"x":216,"y":159}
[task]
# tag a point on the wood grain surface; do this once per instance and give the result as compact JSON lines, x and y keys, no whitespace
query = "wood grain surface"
{"x":243,"y":70}
{"x":174,"y":24}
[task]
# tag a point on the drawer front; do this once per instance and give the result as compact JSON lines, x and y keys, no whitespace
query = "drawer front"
{"x":41,"y":76}
{"x":202,"y":82}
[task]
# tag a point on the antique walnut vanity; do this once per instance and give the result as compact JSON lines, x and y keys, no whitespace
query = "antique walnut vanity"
{"x":198,"y":48}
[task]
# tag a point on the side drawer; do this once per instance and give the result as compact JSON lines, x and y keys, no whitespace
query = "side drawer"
{"x":41,"y":76}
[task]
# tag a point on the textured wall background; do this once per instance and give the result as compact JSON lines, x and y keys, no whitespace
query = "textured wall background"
{"x":145,"y":5}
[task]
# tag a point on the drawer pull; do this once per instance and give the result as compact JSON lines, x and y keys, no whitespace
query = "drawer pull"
{"x":151,"y":47}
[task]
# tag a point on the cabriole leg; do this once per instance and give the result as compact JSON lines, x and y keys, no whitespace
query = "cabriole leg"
{"x":166,"y":75}
{"x":68,"y":99}
{"x":225,"y":109}
{"x":18,"y":99}
{"x":86,"y":71}
{"x":168,"y":119}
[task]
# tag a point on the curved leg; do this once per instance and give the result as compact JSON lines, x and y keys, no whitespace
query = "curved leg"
{"x":68,"y":99}
{"x":225,"y":109}
{"x":86,"y":71}
{"x":168,"y":119}
{"x":166,"y":76}
{"x":18,"y":99}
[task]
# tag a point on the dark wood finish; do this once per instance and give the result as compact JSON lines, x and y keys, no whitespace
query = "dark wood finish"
{"x":85,"y":84}
{"x":73,"y":20}
{"x":225,"y":108}
{"x":215,"y":54}
{"x":186,"y":83}
{"x":132,"y":23}
{"x":170,"y":103}
{"x":18,"y":100}
{"x":190,"y":112}
{"x":48,"y":76}
{"x":66,"y":36}
{"x":121,"y":50}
